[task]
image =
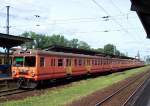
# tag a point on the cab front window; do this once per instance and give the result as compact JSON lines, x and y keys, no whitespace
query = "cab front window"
{"x":30,"y":61}
{"x":18,"y":61}
{"x":27,"y":61}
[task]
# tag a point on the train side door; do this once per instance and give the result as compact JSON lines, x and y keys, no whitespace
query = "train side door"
{"x":88,"y":65}
{"x":69,"y":66}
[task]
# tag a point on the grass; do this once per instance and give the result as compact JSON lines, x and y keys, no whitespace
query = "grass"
{"x":78,"y":90}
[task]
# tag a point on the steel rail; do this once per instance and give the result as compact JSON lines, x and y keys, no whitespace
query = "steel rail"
{"x":116,"y":92}
{"x":2,"y":91}
{"x":137,"y":89}
{"x":12,"y":92}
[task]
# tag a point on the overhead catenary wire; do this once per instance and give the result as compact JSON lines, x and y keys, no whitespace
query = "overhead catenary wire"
{"x":31,"y":18}
{"x":95,"y":2}
{"x":111,"y":30}
{"x":120,"y":11}
{"x":105,"y":11}
{"x":75,"y":20}
{"x":28,"y":18}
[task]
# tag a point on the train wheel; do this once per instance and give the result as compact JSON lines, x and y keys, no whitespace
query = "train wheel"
{"x":32,"y":84}
{"x":20,"y":82}
{"x":26,"y":83}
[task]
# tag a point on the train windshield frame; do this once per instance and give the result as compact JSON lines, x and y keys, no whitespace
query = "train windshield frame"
{"x":24,"y":61}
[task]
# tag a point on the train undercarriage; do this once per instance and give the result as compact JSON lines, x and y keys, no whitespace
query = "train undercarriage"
{"x":23,"y":83}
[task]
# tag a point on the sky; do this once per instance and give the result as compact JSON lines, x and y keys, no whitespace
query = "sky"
{"x":81,"y":19}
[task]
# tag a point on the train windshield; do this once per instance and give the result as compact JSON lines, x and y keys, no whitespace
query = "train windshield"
{"x":18,"y":61}
{"x":28,"y":61}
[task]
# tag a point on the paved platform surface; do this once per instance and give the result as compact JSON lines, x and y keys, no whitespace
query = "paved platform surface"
{"x":144,"y":98}
{"x":5,"y":77}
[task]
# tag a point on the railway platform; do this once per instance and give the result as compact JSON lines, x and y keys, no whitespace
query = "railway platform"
{"x":144,"y":96}
{"x":6,"y":82}
{"x":5,"y":77}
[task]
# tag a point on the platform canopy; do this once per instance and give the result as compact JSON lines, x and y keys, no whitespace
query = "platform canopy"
{"x":142,"y":7}
{"x":8,"y":41}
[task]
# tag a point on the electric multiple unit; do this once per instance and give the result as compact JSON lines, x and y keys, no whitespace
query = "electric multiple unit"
{"x":32,"y":66}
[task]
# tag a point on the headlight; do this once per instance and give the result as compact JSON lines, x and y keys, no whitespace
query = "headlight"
{"x":32,"y":73}
{"x":13,"y":73}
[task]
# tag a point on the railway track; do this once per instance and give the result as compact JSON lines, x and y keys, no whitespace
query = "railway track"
{"x":107,"y":101}
{"x":12,"y":92}
{"x":135,"y":95}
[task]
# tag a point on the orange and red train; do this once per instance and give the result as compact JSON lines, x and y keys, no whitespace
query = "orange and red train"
{"x":32,"y":66}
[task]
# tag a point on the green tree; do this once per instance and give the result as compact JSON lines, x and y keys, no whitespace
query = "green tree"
{"x":41,"y":41}
{"x":109,"y":49}
{"x":83,"y":45}
{"x":100,"y":50}
{"x":31,"y":35}
{"x":117,"y":52}
{"x":74,"y":43}
{"x":122,"y":54}
{"x":58,"y":40}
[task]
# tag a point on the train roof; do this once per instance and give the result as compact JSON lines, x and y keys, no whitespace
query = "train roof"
{"x":43,"y":52}
{"x":59,"y":48}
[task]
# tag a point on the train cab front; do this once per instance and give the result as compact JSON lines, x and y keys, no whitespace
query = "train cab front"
{"x":24,"y":71}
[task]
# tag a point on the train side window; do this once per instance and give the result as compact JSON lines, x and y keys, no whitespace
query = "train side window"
{"x":75,"y":62}
{"x":95,"y":62}
{"x":0,"y":61}
{"x":88,"y":62}
{"x":41,"y":61}
{"x":100,"y":61}
{"x":106,"y":61}
{"x":52,"y":62}
{"x":103,"y":61}
{"x":60,"y":62}
{"x":80,"y":62}
{"x":84,"y":62}
{"x":49,"y":62}
{"x":92,"y":61}
{"x":109,"y":61}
